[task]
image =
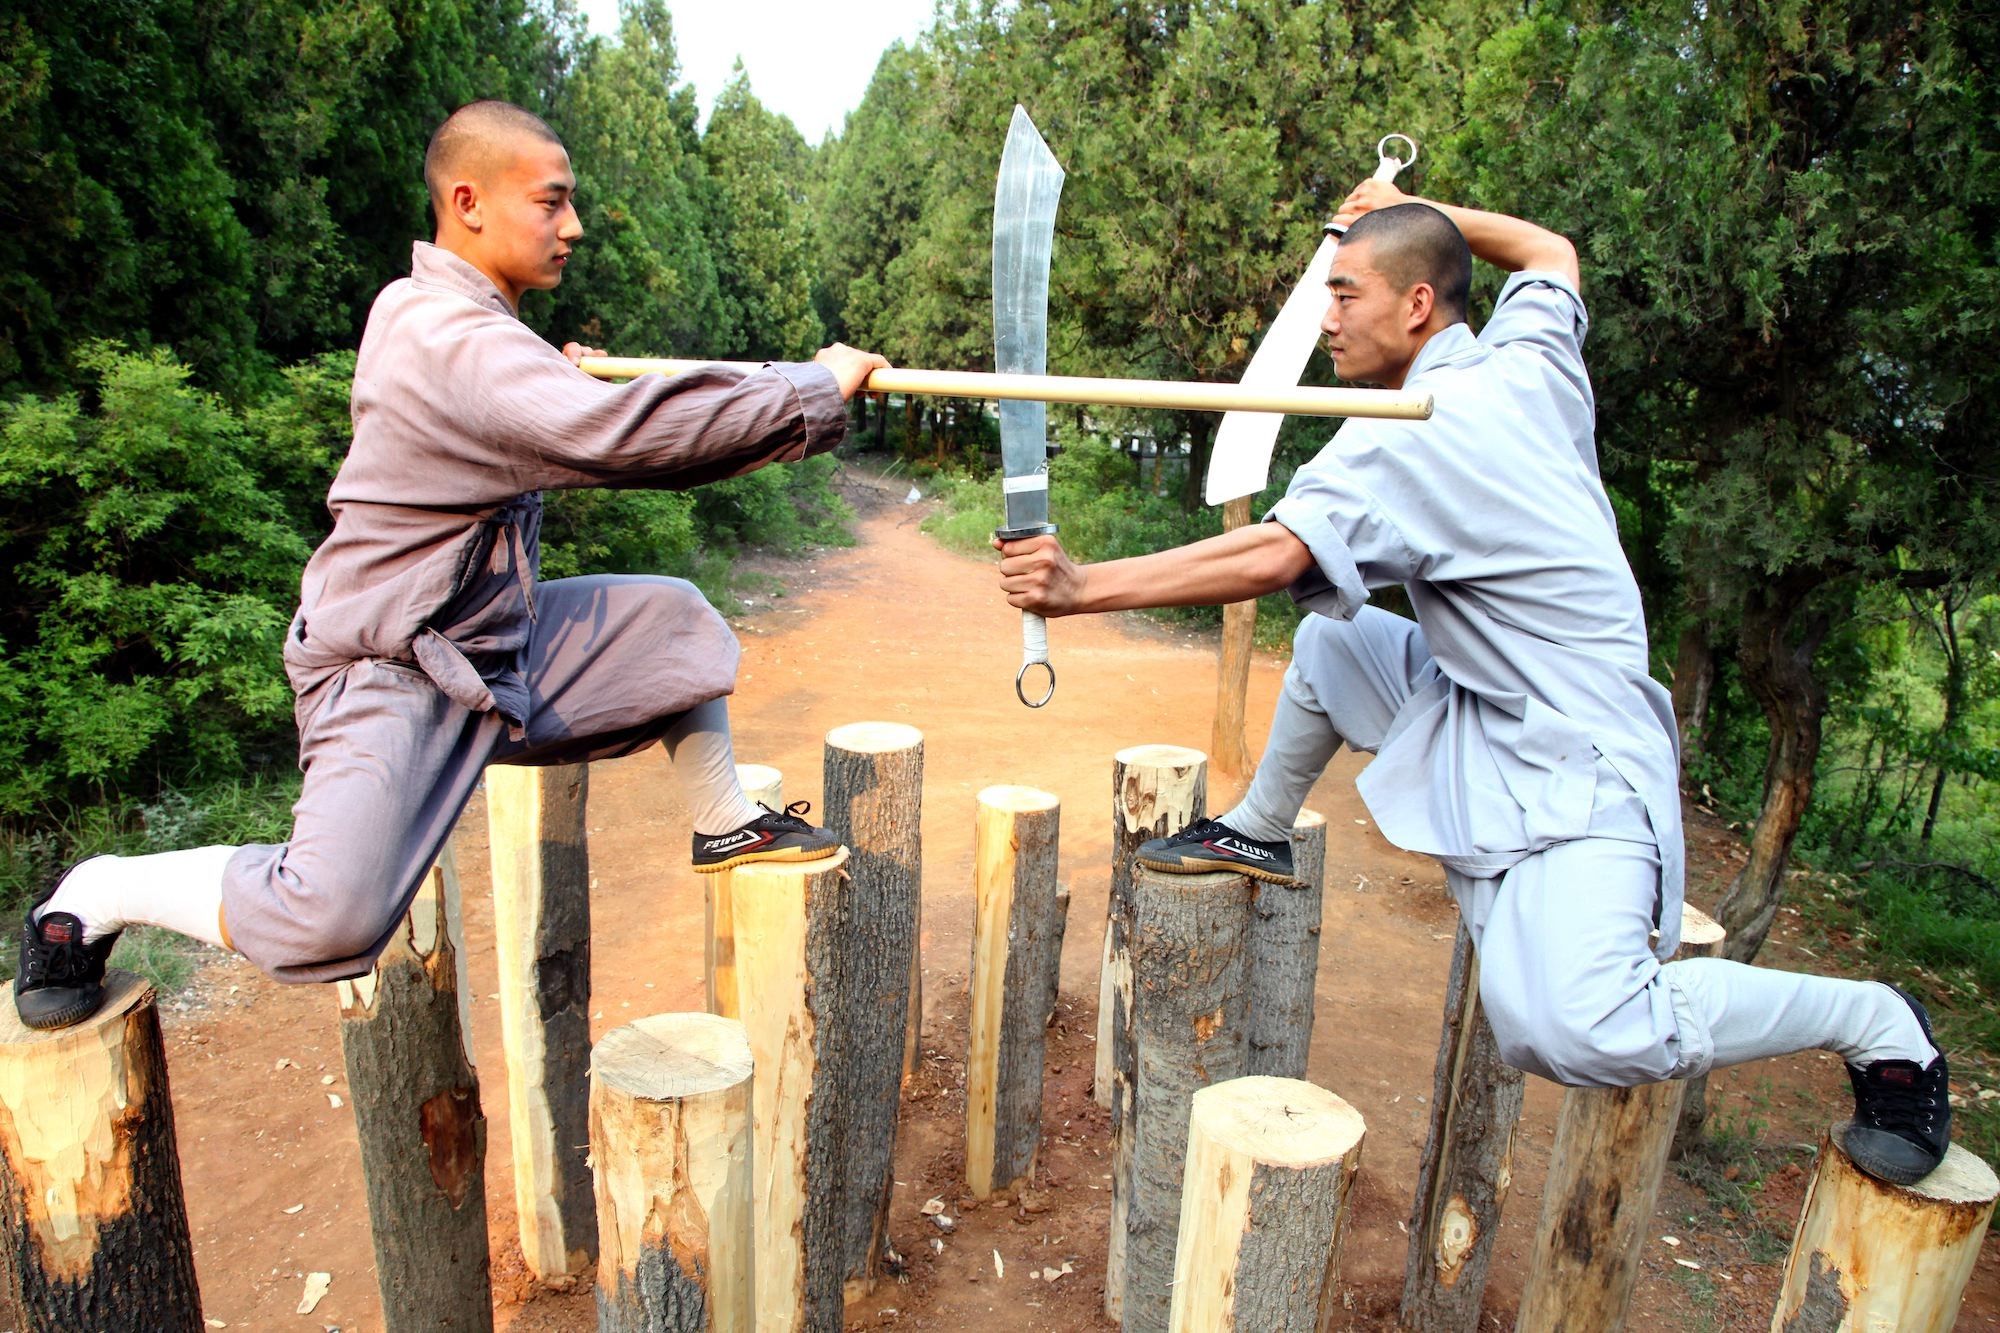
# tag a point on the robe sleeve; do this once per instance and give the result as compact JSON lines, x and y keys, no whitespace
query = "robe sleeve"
{"x":1542,"y":311}
{"x":1355,"y":544}
{"x":557,"y":428}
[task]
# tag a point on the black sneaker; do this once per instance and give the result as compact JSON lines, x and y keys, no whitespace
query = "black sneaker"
{"x":769,"y":837}
{"x":1902,"y":1113}
{"x":60,"y":979}
{"x":1210,"y":844}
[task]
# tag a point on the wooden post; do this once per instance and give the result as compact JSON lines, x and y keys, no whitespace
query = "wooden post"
{"x":1284,"y":956}
{"x":1269,"y":1165}
{"x":1467,"y":1164}
{"x":1190,"y":995}
{"x":93,"y":1227}
{"x":541,"y":943}
{"x":1869,"y":1255}
{"x":874,"y":785}
{"x":670,"y":1137}
{"x":1016,"y":957}
{"x":404,"y":1031}
{"x":1232,"y":665}
{"x":765,"y":785}
{"x":1605,"y":1167}
{"x":792,"y":941}
{"x":1155,"y":790}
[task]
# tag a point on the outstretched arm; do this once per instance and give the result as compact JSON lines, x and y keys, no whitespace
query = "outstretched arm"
{"x":1038,"y":575}
{"x":1505,"y":242}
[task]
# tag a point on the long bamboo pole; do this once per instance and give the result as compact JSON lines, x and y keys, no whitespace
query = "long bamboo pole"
{"x":1192,"y":396}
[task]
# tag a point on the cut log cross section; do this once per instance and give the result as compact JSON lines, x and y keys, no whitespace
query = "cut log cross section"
{"x":670,"y":1136}
{"x":766,"y":786}
{"x":93,"y":1224}
{"x":1270,"y":1162}
{"x":541,"y":944}
{"x":1016,"y":958}
{"x":1605,"y":1167}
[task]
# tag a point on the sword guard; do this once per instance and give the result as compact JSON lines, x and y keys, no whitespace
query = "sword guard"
{"x":1031,"y":530}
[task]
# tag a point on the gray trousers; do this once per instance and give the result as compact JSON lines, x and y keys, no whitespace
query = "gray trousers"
{"x":389,"y":762}
{"x":1571,"y":973}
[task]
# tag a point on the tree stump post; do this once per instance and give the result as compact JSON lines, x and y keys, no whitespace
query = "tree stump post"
{"x":1016,"y":959}
{"x":874,"y":786}
{"x":670,"y":1139}
{"x":1284,"y":956}
{"x":1869,"y":1255}
{"x":1467,"y":1163}
{"x":1605,"y":1167}
{"x":1155,"y":790}
{"x":766,"y":786}
{"x":1269,"y":1165}
{"x":1190,"y":997}
{"x":93,"y":1224}
{"x":407,"y":1041}
{"x":792,"y":942}
{"x":541,"y":943}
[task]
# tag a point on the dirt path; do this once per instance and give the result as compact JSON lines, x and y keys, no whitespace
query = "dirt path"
{"x":897,"y":629}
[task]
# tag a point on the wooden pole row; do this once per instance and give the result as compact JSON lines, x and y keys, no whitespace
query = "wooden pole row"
{"x":1173,"y":395}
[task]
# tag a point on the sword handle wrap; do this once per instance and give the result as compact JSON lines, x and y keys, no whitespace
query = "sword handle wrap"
{"x":1034,"y":652}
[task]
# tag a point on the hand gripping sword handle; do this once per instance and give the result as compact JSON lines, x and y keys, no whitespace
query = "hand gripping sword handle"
{"x":1034,"y":652}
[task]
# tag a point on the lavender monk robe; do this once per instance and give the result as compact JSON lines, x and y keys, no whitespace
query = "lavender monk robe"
{"x":424,"y":649}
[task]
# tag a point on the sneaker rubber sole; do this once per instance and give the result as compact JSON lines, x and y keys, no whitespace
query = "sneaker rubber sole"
{"x":1193,"y":863}
{"x":775,"y":854}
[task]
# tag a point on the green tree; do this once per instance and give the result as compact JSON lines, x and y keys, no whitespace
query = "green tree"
{"x":763,"y":231}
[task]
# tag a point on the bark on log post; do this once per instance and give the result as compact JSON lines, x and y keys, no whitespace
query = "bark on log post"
{"x":1016,"y":957}
{"x":670,"y":1138}
{"x":406,"y":1038}
{"x":1263,"y":1211}
{"x":766,"y":785}
{"x":541,"y":943}
{"x":1605,"y":1166}
{"x":1284,"y":956}
{"x":93,"y":1225}
{"x":1467,"y":1163}
{"x":792,"y":942}
{"x":1155,"y":790}
{"x":1869,"y":1255}
{"x":1190,"y":998}
{"x":874,"y":786}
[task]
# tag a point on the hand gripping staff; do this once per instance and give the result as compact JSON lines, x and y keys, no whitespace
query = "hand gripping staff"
{"x":1024,"y":231}
{"x":1240,"y":462}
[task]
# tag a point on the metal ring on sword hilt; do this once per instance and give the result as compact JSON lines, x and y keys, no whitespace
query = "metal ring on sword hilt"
{"x":1382,"y":150}
{"x":1022,"y":675}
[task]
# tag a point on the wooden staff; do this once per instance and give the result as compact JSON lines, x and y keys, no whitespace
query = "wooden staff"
{"x":1185,"y":396}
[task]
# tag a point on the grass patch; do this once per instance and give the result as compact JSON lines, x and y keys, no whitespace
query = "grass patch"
{"x":1729,"y":1168}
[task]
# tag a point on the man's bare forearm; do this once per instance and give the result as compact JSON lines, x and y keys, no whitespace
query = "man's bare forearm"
{"x":1234,"y":567}
{"x":1511,"y":243}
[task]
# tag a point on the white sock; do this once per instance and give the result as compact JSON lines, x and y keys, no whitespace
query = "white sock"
{"x":705,"y":760}
{"x":1752,"y":1012}
{"x":181,"y":891}
{"x":1302,"y":742}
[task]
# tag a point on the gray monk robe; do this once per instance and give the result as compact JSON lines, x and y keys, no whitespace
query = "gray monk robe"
{"x":423,"y":648}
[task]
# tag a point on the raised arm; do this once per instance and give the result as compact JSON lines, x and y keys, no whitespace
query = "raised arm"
{"x":1503,"y":241}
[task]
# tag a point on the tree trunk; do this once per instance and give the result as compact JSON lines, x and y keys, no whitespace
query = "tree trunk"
{"x":1227,"y":746}
{"x":93,"y":1224}
{"x":1780,"y":637}
{"x":1467,"y":1165}
{"x":1270,"y":1162}
{"x":1694,"y":684}
{"x":765,"y":785}
{"x":1284,"y":956}
{"x":1190,"y":1009}
{"x":670,"y":1133}
{"x":1016,"y":957}
{"x":874,"y":791}
{"x":1201,"y":434}
{"x":1870,"y":1255}
{"x":541,"y":928}
{"x":416,"y":1111}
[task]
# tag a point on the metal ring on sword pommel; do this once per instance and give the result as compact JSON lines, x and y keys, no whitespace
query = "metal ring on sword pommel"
{"x":1022,"y":675}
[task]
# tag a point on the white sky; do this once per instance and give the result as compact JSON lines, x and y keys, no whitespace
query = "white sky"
{"x":807,"y":59}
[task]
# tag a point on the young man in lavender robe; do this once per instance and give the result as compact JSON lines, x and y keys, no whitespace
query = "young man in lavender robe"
{"x":1518,"y":736}
{"x":424,"y":648}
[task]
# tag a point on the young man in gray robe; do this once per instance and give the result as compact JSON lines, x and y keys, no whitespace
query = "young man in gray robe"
{"x":424,"y":648}
{"x":1518,"y":736}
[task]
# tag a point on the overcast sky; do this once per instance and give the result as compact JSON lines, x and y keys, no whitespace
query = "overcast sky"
{"x":808,"y":59}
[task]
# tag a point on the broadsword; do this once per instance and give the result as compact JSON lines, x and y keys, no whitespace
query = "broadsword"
{"x":1024,"y":228}
{"x":1240,"y":462}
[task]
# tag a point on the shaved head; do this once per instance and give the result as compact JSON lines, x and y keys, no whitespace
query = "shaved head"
{"x":1413,"y":243}
{"x":476,"y":140}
